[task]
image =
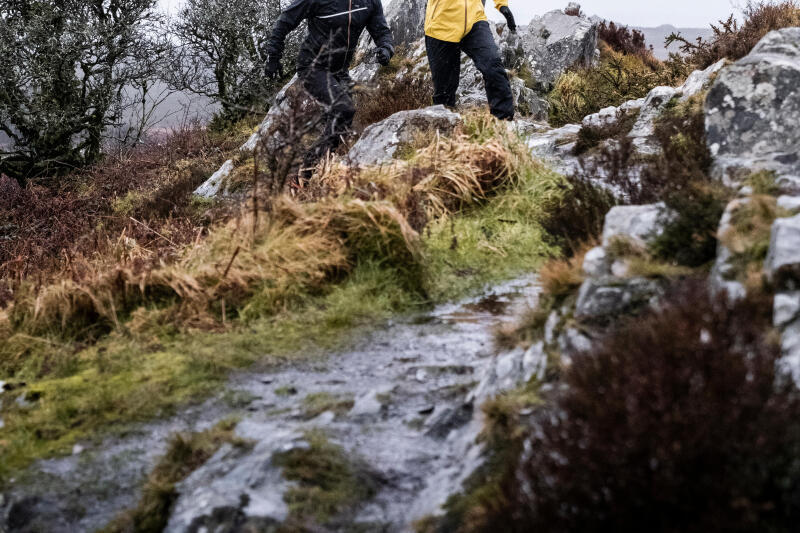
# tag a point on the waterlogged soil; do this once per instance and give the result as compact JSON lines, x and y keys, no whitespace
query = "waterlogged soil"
{"x":403,"y":402}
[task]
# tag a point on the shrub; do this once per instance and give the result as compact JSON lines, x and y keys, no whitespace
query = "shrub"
{"x":67,"y":70}
{"x":630,"y":42}
{"x":680,"y":176}
{"x":185,"y":454}
{"x":591,"y":136}
{"x":734,"y":41}
{"x":392,"y":96}
{"x":617,"y":78}
{"x":679,"y":421}
{"x":577,"y":215}
{"x":59,"y":228}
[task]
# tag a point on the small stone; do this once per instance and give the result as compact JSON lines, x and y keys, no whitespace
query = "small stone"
{"x":534,"y":363}
{"x":638,"y":223}
{"x":369,"y":403}
{"x":595,"y":263}
{"x":421,"y":375}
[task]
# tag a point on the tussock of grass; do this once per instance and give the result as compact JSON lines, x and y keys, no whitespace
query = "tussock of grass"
{"x":328,"y":482}
{"x":562,"y":276}
{"x":320,"y":402}
{"x":185,"y":454}
{"x":134,"y":341}
{"x":749,"y":236}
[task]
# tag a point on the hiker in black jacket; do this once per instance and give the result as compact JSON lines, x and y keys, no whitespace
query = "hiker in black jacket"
{"x":334,"y":29}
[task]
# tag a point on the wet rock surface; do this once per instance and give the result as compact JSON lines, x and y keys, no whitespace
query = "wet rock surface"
{"x":416,"y":386}
{"x":753,"y":110}
{"x":381,"y":142}
{"x":555,"y":42}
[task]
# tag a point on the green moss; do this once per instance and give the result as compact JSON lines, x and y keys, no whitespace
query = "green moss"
{"x":763,"y":183}
{"x":186,"y":453}
{"x":320,"y":402}
{"x":128,"y":204}
{"x":328,"y":481}
{"x":149,"y":367}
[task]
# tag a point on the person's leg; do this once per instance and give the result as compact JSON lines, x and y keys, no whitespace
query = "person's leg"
{"x":481,"y":48}
{"x":334,"y":95}
{"x":444,"y":59}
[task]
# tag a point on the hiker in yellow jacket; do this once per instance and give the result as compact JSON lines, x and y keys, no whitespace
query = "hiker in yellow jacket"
{"x":455,"y":26}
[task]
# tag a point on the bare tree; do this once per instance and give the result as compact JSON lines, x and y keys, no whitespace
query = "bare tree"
{"x":65,"y":69}
{"x":218,"y":52}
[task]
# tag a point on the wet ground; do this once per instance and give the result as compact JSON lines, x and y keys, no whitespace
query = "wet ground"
{"x":404,"y":400}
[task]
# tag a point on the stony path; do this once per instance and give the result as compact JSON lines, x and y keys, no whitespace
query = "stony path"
{"x":404,"y":400}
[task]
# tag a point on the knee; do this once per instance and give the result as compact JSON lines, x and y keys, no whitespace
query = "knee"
{"x":491,"y":66}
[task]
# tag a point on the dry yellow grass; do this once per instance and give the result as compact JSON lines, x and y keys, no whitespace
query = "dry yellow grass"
{"x":262,"y":262}
{"x":562,"y":276}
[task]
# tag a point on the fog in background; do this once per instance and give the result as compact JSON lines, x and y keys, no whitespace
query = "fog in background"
{"x":661,"y":18}
{"x":681,"y":13}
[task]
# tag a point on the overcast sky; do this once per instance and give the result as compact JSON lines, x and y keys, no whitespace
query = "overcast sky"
{"x":682,"y":13}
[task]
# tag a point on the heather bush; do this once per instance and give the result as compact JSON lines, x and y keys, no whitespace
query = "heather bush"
{"x":630,"y":42}
{"x":679,"y":421}
{"x":680,"y":176}
{"x":392,"y":94}
{"x":732,"y":40}
{"x":578,"y":213}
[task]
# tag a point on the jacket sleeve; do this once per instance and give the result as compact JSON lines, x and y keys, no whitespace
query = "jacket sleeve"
{"x":288,"y":21}
{"x":500,"y":3}
{"x":379,"y":29}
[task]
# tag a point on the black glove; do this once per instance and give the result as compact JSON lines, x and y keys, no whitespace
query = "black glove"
{"x":512,"y":24}
{"x":273,"y":68}
{"x":384,"y":55}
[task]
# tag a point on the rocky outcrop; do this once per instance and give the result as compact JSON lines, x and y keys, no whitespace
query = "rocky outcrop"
{"x":657,"y":100}
{"x":381,"y":142}
{"x":555,"y":146}
{"x":555,"y":42}
{"x":609,"y":289}
{"x":753,"y":110}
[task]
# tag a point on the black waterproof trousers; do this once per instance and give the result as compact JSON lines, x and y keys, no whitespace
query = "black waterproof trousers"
{"x":332,"y":90}
{"x":445,"y":61}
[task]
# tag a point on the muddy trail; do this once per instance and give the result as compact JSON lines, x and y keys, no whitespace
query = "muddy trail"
{"x":403,"y":402}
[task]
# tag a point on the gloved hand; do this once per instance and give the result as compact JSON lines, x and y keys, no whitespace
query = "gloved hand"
{"x":273,"y":68}
{"x":384,"y":55}
{"x":512,"y":24}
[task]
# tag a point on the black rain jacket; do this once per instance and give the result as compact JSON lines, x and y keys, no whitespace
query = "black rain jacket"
{"x":329,"y":45}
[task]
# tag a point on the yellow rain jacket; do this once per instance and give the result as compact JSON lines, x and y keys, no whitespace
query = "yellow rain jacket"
{"x":452,"y":20}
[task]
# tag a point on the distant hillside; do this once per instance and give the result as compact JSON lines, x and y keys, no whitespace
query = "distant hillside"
{"x":656,"y":37}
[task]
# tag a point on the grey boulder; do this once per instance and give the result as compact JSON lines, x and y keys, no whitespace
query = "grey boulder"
{"x":555,"y":42}
{"x":381,"y":142}
{"x":753,"y":110}
{"x":638,"y":224}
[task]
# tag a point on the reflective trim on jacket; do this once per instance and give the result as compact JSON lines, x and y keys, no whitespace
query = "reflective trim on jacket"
{"x":452,"y":20}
